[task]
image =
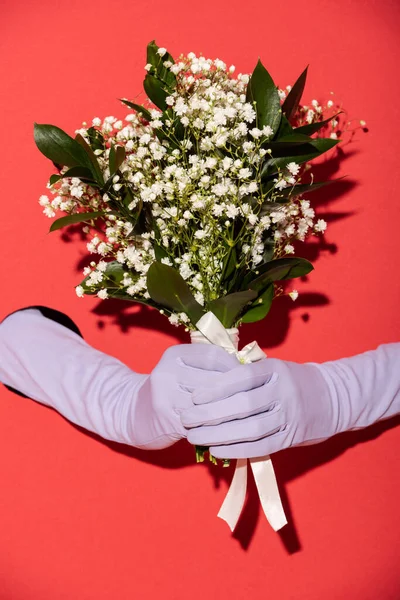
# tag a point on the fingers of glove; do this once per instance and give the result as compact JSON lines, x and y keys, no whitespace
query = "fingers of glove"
{"x":192,"y":365}
{"x":241,"y":430}
{"x":241,"y":379}
{"x":203,"y":357}
{"x":256,"y":449}
{"x":239,"y":406}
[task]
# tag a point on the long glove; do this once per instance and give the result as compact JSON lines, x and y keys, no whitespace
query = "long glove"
{"x":260,"y":408}
{"x":52,"y":364}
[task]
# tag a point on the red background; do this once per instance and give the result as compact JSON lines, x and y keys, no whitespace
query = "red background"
{"x":83,"y":518}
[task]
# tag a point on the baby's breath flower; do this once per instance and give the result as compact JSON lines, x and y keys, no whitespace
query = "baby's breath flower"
{"x":320,"y":226}
{"x":293,"y":168}
{"x":189,"y":184}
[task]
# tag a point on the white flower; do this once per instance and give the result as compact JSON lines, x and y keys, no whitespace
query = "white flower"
{"x":252,"y":219}
{"x":44,"y":201}
{"x":148,"y":67}
{"x":244,"y":173}
{"x":310,"y":116}
{"x":289,"y":249}
{"x":255,"y":132}
{"x":281,"y":184}
{"x":294,"y":294}
{"x":218,"y":209}
{"x":231,"y":211}
{"x":49,"y":212}
{"x":79,"y":291}
{"x":293,"y":168}
{"x":248,"y":147}
{"x":282,"y":94}
{"x":267,"y":131}
{"x":161,"y":51}
{"x":200,"y":234}
{"x":170,"y":100}
{"x":103,"y":294}
{"x":252,"y":187}
{"x":96,"y":122}
{"x":103,"y":248}
{"x":174,"y":319}
{"x":102,"y":266}
{"x":333,"y":136}
{"x":199,"y":297}
{"x":198,"y":123}
{"x":185,"y":270}
{"x":320,"y":225}
{"x":329,"y":104}
{"x":249,"y":113}
{"x":180,"y":107}
{"x":211,"y":162}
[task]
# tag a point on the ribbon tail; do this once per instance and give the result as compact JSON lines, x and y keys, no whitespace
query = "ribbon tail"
{"x":268,"y":491}
{"x":234,"y":499}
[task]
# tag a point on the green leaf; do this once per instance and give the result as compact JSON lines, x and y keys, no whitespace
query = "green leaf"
{"x":260,"y":307}
{"x":284,"y":146}
{"x":160,"y":252}
{"x":262,"y":90}
{"x":94,"y":164}
{"x":277,"y":270}
{"x":114,"y":273}
{"x":167,"y":288}
{"x":300,"y":154}
{"x":116,"y":158}
{"x":96,"y":139}
{"x":157,"y":62}
{"x":294,"y":138}
{"x":122,"y":295}
{"x":229,"y":265}
{"x":313,"y":127}
{"x":228,"y":308}
{"x":138,"y":108}
{"x":80,"y":172}
{"x":297,"y":190}
{"x":54,"y":178}
{"x":285,"y":129}
{"x":76,"y":218}
{"x":155,"y":91}
{"x":292,"y":100}
{"x":59,"y":147}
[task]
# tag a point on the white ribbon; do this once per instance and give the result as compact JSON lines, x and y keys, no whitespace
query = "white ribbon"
{"x":214,"y":332}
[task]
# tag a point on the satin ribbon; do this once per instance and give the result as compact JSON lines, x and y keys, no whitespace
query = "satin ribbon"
{"x":215,"y":333}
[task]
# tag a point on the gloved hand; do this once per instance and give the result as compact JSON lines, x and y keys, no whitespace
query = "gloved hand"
{"x":260,"y":408}
{"x":54,"y":366}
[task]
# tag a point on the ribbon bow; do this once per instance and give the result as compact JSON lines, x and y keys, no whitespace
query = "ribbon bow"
{"x":213,"y":330}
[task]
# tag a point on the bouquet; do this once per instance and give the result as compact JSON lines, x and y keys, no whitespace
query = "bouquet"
{"x":194,"y":202}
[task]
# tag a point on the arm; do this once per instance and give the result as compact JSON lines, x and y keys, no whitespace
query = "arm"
{"x":273,"y":404}
{"x":55,"y":366}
